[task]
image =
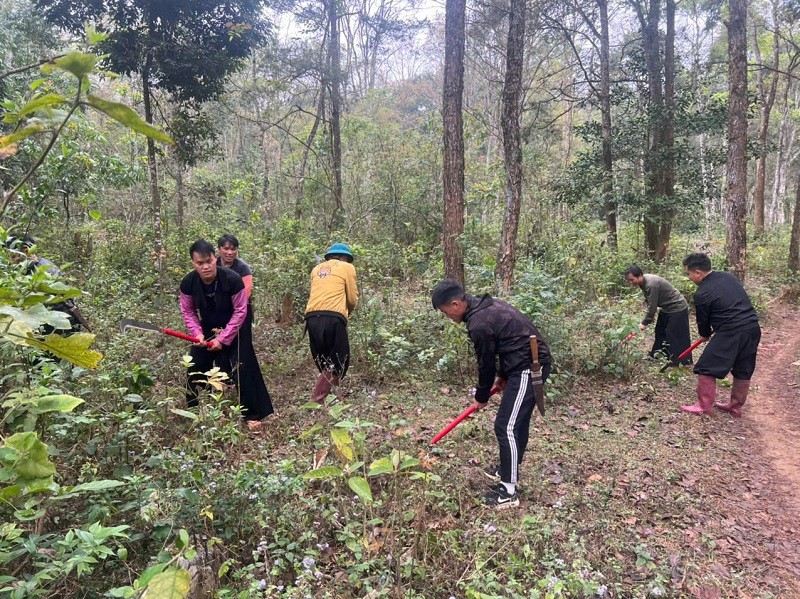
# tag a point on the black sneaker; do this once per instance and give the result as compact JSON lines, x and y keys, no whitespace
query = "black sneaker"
{"x":492,"y":472}
{"x":500,"y":498}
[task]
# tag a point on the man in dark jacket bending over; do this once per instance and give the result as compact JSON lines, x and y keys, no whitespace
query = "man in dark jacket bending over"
{"x":498,"y":329}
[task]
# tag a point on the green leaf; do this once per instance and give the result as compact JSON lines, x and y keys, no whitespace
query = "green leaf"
{"x":361,"y":488}
{"x":45,"y":101}
{"x":148,"y":575}
{"x":77,"y":63}
{"x":24,"y":133}
{"x":381,"y":466}
{"x":307,"y":433}
{"x":55,"y":403}
{"x":36,"y":316}
{"x":337,"y":410}
{"x":323,"y":473}
{"x":32,"y":461}
{"x":93,"y":37}
{"x":183,"y":538}
{"x":343,"y":441}
{"x":125,"y":115}
{"x":185,"y":413}
{"x":170,"y":584}
{"x":94,"y":214}
{"x":7,"y":493}
{"x":74,"y":348}
{"x":97,"y":485}
{"x":408,"y":462}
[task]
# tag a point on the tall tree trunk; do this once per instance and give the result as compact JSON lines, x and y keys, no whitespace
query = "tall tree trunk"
{"x":179,"y":194}
{"x":766,"y":97}
{"x":736,"y":193}
{"x":263,"y":143}
{"x":512,"y":148}
{"x":794,"y":242}
{"x":334,"y":56}
{"x":609,"y":203}
{"x":453,"y":160}
{"x":780,"y":156}
{"x":659,"y":172}
{"x":152,"y":167}
{"x":301,"y":174}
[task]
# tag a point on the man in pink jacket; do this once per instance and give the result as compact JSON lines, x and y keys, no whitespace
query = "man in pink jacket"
{"x":214,"y":307}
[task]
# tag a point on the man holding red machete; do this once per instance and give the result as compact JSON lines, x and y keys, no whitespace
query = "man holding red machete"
{"x":497,"y":329}
{"x":723,"y":309}
{"x":213,"y":298}
{"x":672,"y":326}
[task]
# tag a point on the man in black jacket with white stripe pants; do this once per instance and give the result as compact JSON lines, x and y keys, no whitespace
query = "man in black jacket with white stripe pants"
{"x":497,"y":329}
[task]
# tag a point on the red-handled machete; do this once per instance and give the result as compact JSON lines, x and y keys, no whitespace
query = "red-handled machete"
{"x":685,"y":353}
{"x":459,"y":418}
{"x":128,"y":323}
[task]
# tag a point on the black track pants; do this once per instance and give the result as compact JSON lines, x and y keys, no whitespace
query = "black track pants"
{"x":513,"y":421}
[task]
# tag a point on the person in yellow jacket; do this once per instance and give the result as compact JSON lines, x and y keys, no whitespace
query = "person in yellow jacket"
{"x":333,"y":297}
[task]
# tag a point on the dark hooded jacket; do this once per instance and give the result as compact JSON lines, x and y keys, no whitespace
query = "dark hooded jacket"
{"x":498,"y":329}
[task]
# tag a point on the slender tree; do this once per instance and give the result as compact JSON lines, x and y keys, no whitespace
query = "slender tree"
{"x":512,"y":148}
{"x":335,"y":83}
{"x":453,"y":171}
{"x":736,"y":192}
{"x":659,"y":170}
{"x":609,"y":203}
{"x":794,"y":242}
{"x":766,"y":90}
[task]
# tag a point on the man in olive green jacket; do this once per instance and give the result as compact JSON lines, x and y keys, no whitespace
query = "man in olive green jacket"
{"x":672,"y":326}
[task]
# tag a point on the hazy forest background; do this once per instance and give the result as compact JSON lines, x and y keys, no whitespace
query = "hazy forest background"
{"x":531,"y":149}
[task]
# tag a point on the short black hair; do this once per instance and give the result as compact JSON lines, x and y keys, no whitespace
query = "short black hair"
{"x":228,"y":238}
{"x":201,"y":247}
{"x":447,"y":291}
{"x":635,"y":270}
{"x":697,"y":261}
{"x":26,"y":242}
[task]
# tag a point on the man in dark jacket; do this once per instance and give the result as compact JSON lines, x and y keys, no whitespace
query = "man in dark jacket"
{"x":213,"y":303}
{"x":499,"y":330}
{"x":672,"y":326}
{"x":723,"y":309}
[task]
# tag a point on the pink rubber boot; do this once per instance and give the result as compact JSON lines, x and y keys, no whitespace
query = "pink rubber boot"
{"x":706,"y":392}
{"x":738,"y":397}
{"x":322,"y":387}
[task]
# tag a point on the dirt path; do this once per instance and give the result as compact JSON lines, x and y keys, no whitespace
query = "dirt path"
{"x":773,"y":412}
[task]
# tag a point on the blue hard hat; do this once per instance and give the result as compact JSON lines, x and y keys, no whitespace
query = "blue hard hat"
{"x":338,"y":248}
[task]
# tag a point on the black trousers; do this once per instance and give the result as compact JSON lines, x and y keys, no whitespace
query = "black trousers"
{"x":672,"y":336}
{"x":330,"y":346}
{"x":730,"y":351}
{"x":239,"y":360}
{"x":512,"y":424}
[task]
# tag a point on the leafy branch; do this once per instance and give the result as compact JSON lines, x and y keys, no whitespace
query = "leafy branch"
{"x":80,"y":65}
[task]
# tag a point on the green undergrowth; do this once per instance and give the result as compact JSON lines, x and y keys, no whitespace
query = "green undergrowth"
{"x":618,"y":487}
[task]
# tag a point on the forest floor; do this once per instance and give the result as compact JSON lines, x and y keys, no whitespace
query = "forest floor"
{"x":696,"y":506}
{"x":618,"y":484}
{"x":770,"y":439}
